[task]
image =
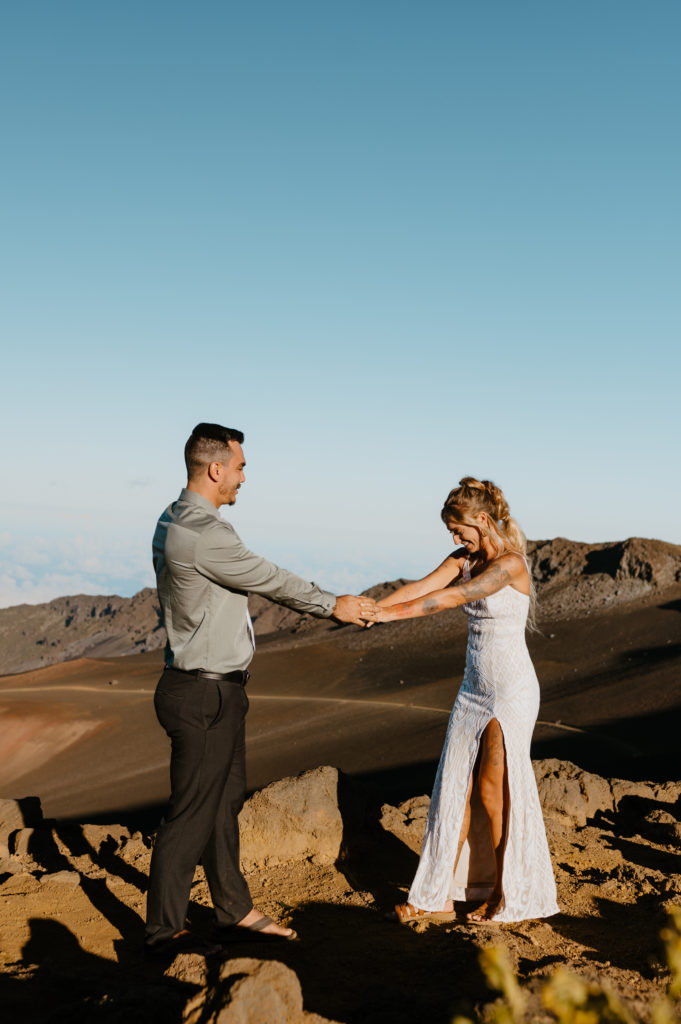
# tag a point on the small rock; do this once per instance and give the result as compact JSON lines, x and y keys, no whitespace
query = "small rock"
{"x":662,"y":827}
{"x":34,"y":846}
{"x":668,"y":792}
{"x":97,"y":835}
{"x":408,"y":821}
{"x":20,"y":884}
{"x":249,"y":991}
{"x":135,"y":851}
{"x":10,"y":865}
{"x":69,"y":878}
{"x":16,"y":814}
{"x":188,"y":967}
{"x":622,"y":788}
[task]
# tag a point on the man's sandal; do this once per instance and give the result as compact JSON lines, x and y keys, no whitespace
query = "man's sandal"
{"x":253,"y":932}
{"x":183,"y":942}
{"x":407,"y":914}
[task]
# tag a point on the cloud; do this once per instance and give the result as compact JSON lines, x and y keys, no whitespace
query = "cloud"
{"x":15,"y":590}
{"x":36,"y":569}
{"x":103,"y":554}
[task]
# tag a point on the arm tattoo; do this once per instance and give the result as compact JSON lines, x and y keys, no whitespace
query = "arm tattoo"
{"x":488,"y":582}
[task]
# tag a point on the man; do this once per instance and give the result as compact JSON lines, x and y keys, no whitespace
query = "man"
{"x":204,"y":574}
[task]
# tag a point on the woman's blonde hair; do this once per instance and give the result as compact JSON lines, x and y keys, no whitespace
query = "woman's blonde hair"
{"x":473,"y":496}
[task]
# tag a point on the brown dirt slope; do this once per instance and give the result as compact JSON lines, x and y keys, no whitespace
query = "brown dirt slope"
{"x":84,"y":735}
{"x":572,"y":579}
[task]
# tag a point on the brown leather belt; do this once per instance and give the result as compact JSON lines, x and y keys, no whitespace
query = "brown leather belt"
{"x":238,"y":676}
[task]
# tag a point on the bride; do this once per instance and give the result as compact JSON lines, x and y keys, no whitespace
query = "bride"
{"x":485,"y":838}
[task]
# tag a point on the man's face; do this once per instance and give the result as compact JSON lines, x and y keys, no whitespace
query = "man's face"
{"x":231,"y":475}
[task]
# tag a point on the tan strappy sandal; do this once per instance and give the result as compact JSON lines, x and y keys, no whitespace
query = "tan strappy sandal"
{"x":405,"y":913}
{"x":481,"y":914}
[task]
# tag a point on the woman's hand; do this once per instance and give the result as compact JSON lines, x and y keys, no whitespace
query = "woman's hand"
{"x":380,"y":614}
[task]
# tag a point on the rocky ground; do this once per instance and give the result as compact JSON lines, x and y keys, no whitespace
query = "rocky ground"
{"x":322,"y":853}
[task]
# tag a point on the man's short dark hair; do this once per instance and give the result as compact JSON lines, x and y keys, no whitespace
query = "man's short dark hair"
{"x":209,"y":442}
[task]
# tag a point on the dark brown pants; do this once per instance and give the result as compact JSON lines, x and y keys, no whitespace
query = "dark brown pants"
{"x":205,"y":720}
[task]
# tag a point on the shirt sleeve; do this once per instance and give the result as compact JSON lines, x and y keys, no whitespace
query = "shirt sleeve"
{"x":222,"y":557}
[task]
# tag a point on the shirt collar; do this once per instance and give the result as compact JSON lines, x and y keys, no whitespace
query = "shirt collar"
{"x":192,"y":498}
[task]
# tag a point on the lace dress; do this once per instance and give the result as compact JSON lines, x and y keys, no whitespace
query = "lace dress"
{"x":499,"y":682}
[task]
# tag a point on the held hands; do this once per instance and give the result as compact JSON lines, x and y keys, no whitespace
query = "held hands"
{"x":358,"y":610}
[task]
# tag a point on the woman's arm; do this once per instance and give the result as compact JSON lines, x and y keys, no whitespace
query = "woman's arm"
{"x":507,"y":569}
{"x":438,"y":579}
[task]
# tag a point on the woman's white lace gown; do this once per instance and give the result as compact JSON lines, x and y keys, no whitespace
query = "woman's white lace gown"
{"x":499,"y":682}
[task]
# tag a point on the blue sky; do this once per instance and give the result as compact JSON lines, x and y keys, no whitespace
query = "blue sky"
{"x":395,"y":243}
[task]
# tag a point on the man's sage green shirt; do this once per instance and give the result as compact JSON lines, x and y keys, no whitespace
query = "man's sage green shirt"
{"x":204,"y":574}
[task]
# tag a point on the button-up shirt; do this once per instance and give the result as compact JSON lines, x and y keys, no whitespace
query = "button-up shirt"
{"x":204,"y":573}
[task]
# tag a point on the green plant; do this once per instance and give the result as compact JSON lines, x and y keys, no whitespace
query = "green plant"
{"x":571,"y":999}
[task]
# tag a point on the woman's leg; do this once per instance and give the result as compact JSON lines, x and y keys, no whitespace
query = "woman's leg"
{"x":494,"y":795}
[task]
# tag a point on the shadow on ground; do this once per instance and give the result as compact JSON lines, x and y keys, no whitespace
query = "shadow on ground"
{"x":59,"y":981}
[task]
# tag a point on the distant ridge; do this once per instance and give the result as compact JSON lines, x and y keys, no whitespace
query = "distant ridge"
{"x":573,"y":579}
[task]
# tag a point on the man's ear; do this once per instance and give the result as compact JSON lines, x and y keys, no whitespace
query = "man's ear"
{"x":213,"y":471}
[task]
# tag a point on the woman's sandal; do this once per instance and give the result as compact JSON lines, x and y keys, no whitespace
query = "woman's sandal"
{"x":407,"y":914}
{"x":484,"y":914}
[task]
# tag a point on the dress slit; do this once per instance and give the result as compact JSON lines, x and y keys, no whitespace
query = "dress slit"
{"x":478,"y":879}
{"x":479,"y":888}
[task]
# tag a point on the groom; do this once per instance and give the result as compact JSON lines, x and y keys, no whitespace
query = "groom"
{"x":204,"y":574}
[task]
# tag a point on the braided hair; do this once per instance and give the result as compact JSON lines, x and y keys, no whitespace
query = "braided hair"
{"x":473,"y":496}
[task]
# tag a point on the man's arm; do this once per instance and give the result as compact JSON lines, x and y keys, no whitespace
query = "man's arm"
{"x":221,"y":556}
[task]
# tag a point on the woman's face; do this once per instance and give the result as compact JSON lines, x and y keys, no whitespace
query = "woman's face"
{"x":465,"y":536}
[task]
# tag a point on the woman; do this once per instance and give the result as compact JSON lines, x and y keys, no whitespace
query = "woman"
{"x":485,"y":837}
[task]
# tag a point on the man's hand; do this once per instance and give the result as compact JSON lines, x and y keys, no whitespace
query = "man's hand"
{"x":353,"y":609}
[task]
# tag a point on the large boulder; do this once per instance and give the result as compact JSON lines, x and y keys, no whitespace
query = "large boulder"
{"x":294,"y":819}
{"x":249,"y":991}
{"x":569,"y":794}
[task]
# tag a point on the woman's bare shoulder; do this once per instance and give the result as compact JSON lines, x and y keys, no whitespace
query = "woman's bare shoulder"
{"x":510,"y":558}
{"x":515,"y":565}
